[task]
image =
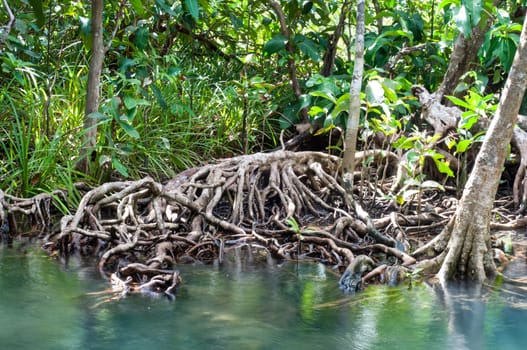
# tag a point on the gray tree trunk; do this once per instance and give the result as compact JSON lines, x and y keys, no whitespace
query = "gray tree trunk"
{"x":465,"y":242}
{"x":92,"y":91}
{"x":352,"y":125}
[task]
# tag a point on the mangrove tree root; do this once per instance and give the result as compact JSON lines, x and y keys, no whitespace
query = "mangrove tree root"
{"x":288,"y":203}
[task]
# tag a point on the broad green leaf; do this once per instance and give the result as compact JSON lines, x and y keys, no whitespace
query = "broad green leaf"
{"x":129,"y":102}
{"x":274,"y":45}
{"x":468,"y":120}
{"x":374,"y":92}
{"x":119,"y":167}
{"x":193,"y":8}
{"x":328,"y":95}
{"x":39,"y":12}
{"x":463,"y":21}
{"x":459,"y":102}
{"x":443,"y":167}
{"x":141,"y":38}
{"x":474,"y":8}
{"x":445,"y":3}
{"x":342,"y":105}
{"x":309,"y":48}
{"x":463,"y":145}
{"x":129,"y":129}
{"x":162,"y":4}
{"x":98,"y":115}
{"x":138,"y":7}
{"x":315,"y":110}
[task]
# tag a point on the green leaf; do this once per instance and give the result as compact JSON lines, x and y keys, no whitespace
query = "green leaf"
{"x":141,"y":38}
{"x":98,"y":115}
{"x":165,"y":7}
{"x":474,"y":9}
{"x":193,"y":8}
{"x":462,"y":20}
{"x":129,"y":102}
{"x":443,"y":167}
{"x":446,"y":3}
{"x":463,"y":145}
{"x":38,"y":10}
{"x":309,"y":48}
{"x":138,"y":7}
{"x":119,"y":167}
{"x":129,"y":129}
{"x":374,"y":92}
{"x":274,"y":45}
{"x":459,"y":102}
{"x":328,"y":95}
{"x":159,"y":96}
{"x":315,"y":110}
{"x":342,"y":105}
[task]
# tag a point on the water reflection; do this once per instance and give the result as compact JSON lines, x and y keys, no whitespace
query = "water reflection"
{"x":246,"y":303}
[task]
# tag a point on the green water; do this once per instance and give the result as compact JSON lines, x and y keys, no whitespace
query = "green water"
{"x":47,"y":305}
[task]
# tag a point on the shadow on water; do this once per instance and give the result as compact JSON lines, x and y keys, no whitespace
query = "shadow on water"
{"x":249,"y":302}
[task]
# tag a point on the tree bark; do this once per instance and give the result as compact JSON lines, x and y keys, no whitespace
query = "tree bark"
{"x":468,"y":251}
{"x":352,"y":127}
{"x":92,"y":91}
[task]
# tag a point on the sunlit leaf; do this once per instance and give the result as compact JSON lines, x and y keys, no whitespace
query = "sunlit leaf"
{"x":443,"y":167}
{"x":374,"y":92}
{"x":138,"y":7}
{"x":327,"y":94}
{"x":463,"y":145}
{"x":462,"y":20}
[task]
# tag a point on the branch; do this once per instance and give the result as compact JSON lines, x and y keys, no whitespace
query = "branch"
{"x":7,"y":28}
{"x":290,"y":61}
{"x":329,"y":56}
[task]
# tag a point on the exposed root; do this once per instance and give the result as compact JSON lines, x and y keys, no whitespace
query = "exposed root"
{"x":289,"y":204}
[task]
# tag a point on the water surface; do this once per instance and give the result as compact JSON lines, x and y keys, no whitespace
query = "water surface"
{"x":45,"y":304}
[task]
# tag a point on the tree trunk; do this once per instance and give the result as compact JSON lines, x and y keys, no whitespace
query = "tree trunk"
{"x":352,"y":127}
{"x":92,"y":93}
{"x":467,"y":253}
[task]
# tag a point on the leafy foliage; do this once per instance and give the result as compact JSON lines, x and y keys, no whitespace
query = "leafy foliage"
{"x":187,"y":81}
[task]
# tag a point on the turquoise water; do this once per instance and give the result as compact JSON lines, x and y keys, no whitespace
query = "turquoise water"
{"x":45,"y":304}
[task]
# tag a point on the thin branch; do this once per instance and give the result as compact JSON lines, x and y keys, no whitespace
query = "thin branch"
{"x":7,"y":28}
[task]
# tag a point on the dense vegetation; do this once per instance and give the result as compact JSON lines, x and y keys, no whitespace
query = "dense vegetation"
{"x":187,"y":81}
